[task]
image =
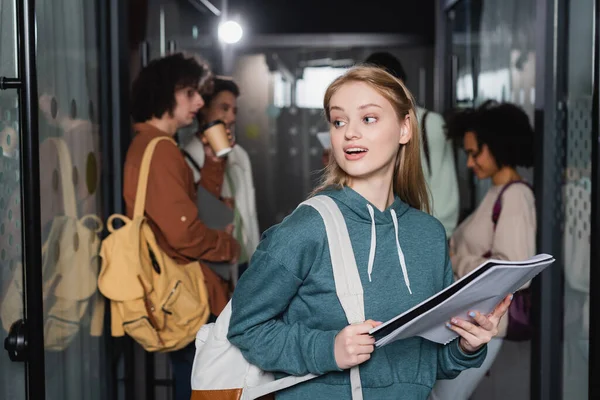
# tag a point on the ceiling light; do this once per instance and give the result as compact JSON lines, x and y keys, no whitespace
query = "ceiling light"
{"x":230,"y":32}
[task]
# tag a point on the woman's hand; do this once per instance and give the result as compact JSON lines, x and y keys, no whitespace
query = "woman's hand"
{"x":354,"y":345}
{"x":473,"y":335}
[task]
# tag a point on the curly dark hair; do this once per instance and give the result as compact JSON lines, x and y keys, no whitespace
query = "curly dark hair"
{"x":220,"y":84}
{"x":503,"y":127}
{"x":153,"y":91}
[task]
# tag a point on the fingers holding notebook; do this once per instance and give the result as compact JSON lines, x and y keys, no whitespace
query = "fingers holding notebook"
{"x":481,"y":330}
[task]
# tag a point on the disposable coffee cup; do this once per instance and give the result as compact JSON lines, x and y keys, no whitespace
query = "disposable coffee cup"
{"x":216,"y":134}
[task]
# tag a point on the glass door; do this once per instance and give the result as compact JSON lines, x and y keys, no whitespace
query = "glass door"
{"x":22,"y":365}
{"x":51,"y":311}
{"x":71,"y":220}
{"x":461,"y":27}
{"x":577,"y":196}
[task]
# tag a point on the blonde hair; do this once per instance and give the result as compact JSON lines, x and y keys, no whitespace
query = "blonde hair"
{"x":408,"y":180}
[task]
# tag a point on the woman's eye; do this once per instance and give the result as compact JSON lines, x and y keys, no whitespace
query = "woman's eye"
{"x":370,"y":120}
{"x":338,"y":124}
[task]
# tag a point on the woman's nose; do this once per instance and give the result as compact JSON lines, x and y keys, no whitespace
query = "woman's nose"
{"x":352,"y":132}
{"x":470,"y":162}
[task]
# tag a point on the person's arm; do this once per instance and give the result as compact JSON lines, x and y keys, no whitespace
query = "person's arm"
{"x":277,"y":270}
{"x":442,"y":180}
{"x":514,"y":239}
{"x":170,"y":207}
{"x":463,"y":262}
{"x":213,"y":174}
{"x":451,"y":358}
{"x":251,"y":222}
{"x":209,"y":170}
{"x":516,"y":229}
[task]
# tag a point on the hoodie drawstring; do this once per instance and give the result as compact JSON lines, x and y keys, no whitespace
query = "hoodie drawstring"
{"x":373,"y":241}
{"x":400,"y":253}
{"x":374,"y":245}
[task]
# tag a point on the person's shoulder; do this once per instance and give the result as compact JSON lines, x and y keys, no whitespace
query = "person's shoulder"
{"x":136,"y":148}
{"x":238,"y":155}
{"x":433,"y":120}
{"x":239,"y":151}
{"x":296,"y":241}
{"x":302,"y":224}
{"x":167,"y":149}
{"x":519,"y":193}
{"x":139,"y":140}
{"x":166,"y":153}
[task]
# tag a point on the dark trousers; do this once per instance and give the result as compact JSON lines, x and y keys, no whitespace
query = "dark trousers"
{"x":242,"y":268}
{"x":181,"y":362}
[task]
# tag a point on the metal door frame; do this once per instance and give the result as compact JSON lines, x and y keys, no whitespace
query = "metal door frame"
{"x":115,"y":134}
{"x":550,"y":128}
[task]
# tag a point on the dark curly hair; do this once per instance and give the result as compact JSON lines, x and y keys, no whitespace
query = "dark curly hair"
{"x":503,"y":127}
{"x":220,"y":84}
{"x":153,"y":91}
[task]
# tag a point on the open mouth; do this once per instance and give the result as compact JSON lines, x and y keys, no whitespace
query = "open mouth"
{"x":355,"y":150}
{"x":355,"y":153}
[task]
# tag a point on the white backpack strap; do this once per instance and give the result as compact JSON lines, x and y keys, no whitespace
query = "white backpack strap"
{"x":257,"y":392}
{"x":347,"y":286}
{"x":345,"y":272}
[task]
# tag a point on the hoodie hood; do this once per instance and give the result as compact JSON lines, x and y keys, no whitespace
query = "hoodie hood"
{"x":357,"y":208}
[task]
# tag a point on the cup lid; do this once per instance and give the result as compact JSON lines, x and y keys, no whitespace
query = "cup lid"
{"x":211,"y":124}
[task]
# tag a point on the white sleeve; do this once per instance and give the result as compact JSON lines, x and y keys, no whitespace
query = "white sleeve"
{"x":195,"y":150}
{"x":252,"y":229}
{"x":441,"y":179}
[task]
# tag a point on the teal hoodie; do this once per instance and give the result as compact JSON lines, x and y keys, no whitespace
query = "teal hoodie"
{"x":286,"y":313}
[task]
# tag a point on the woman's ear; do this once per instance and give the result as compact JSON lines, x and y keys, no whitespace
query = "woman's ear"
{"x":405,"y":130}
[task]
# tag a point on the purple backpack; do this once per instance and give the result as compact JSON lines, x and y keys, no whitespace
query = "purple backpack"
{"x":519,"y":313}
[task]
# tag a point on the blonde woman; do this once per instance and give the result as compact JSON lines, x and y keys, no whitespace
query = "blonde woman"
{"x":286,"y":314}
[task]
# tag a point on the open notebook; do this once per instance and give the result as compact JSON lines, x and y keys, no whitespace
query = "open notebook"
{"x":480,"y":290}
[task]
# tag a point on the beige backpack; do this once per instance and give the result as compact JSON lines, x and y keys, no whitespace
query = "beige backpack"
{"x":69,"y":271}
{"x":159,"y":303}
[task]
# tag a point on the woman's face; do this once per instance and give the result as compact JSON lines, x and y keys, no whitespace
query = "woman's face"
{"x":479,"y":159}
{"x":365,"y":131}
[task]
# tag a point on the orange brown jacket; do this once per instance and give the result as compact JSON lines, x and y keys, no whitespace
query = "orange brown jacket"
{"x":171,"y":208}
